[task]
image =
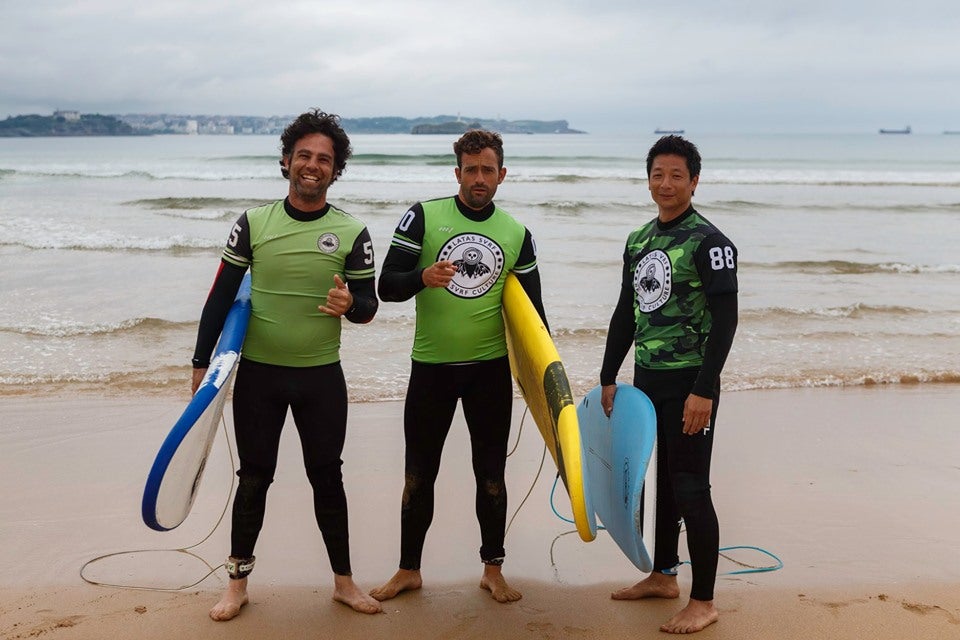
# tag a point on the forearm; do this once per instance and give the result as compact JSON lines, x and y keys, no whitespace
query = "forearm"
{"x":531,"y":286}
{"x":401,"y":277}
{"x":723,"y":311}
{"x":620,"y":336}
{"x":365,"y":303}
{"x":215,"y":310}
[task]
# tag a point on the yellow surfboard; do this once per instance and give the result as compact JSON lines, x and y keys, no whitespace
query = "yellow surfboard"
{"x":543,"y":382}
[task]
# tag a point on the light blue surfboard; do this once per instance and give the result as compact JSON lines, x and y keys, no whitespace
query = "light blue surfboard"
{"x":620,"y":452}
{"x":175,"y":476}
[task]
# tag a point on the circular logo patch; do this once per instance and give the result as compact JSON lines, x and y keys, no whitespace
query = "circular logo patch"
{"x":652,"y":281}
{"x":328,"y":243}
{"x":479,"y":262}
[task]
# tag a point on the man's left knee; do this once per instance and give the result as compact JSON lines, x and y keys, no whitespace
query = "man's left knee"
{"x":326,"y":477}
{"x":690,"y":490}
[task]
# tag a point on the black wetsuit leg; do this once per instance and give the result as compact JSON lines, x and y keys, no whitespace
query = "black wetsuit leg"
{"x":487,"y":406}
{"x":683,"y":479}
{"x":428,"y":411}
{"x":487,"y":394}
{"x":319,"y":407}
{"x":258,"y":418}
{"x":317,"y":397}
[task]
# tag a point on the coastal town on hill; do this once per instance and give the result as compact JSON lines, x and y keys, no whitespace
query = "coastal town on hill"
{"x":74,"y":123}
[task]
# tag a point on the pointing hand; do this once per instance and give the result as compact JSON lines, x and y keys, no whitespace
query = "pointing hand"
{"x":439,"y":274}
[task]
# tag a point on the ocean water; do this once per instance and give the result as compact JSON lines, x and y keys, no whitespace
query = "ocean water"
{"x":849,"y":267}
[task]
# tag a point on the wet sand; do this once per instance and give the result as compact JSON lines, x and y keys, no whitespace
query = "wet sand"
{"x":855,"y":490}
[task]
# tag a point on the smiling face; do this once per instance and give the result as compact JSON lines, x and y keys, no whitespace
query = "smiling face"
{"x":479,"y":175}
{"x":311,"y":168}
{"x":671,"y":186}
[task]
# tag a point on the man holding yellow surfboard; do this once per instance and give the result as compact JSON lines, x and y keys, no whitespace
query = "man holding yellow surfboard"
{"x":453,"y":255}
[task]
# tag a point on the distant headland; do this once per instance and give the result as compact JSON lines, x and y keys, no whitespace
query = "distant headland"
{"x":73,"y":123}
{"x":458,"y":126}
{"x":65,"y":123}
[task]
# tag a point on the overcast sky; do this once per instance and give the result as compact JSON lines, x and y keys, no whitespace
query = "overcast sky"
{"x":603,"y":65}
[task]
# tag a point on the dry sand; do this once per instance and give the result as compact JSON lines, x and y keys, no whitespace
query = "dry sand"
{"x":856,"y":490}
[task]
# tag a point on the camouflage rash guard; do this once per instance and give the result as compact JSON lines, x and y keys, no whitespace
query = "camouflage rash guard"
{"x":673,"y":267}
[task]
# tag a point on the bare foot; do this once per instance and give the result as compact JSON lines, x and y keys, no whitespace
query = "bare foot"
{"x":345,"y":590}
{"x":656,"y":585}
{"x":232,"y":600}
{"x":494,"y":582}
{"x":696,"y":616}
{"x":402,"y":580}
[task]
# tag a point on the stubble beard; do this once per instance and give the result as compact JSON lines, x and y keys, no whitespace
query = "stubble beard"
{"x":476,"y":202}
{"x":312,"y":192}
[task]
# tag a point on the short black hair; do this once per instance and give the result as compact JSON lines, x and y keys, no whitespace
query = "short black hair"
{"x":676,"y":146}
{"x":316,"y":121}
{"x":475,"y":141}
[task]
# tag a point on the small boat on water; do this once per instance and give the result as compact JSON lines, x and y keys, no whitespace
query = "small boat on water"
{"x":906,"y":129}
{"x":661,"y":131}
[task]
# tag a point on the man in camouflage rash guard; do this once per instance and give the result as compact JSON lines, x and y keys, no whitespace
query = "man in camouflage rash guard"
{"x":453,"y":255}
{"x":678,"y":304}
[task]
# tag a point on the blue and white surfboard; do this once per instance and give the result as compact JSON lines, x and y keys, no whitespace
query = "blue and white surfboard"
{"x":175,"y":476}
{"x":620,"y":454}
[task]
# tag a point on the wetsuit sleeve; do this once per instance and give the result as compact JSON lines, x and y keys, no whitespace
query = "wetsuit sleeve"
{"x":237,"y":256}
{"x":716,"y":261}
{"x":723,"y":310}
{"x":401,"y":277}
{"x":359,"y":270}
{"x":528,"y":275}
{"x":620,"y":334}
{"x":221,"y":297}
{"x":239,"y":250}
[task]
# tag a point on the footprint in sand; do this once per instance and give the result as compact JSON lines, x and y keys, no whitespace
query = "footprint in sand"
{"x":925,"y":609}
{"x":59,"y":623}
{"x":466,"y":616}
{"x":544,"y":629}
{"x":526,"y":608}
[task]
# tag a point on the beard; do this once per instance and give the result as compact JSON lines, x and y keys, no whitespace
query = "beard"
{"x":476,"y":201}
{"x":309,"y":191}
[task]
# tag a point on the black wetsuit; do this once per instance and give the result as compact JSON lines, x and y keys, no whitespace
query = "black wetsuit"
{"x":678,"y":304}
{"x":291,"y":356}
{"x":459,"y":353}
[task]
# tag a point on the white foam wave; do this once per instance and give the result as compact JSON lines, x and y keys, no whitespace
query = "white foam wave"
{"x":49,"y":234}
{"x":899,"y":267}
{"x":59,"y":327}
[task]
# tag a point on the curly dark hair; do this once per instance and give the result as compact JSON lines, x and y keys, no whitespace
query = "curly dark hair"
{"x":676,"y":146}
{"x":316,"y":121}
{"x":475,"y":141}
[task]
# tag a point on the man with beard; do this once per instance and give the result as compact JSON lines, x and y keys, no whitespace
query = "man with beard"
{"x":311,"y":265}
{"x":453,"y":254}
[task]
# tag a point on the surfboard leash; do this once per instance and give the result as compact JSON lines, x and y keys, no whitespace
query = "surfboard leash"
{"x":184,"y":550}
{"x":536,"y":477}
{"x":553,"y":563}
{"x":747,"y":568}
{"x":523,"y":419}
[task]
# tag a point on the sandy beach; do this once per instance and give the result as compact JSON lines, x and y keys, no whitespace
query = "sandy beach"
{"x":854,"y":489}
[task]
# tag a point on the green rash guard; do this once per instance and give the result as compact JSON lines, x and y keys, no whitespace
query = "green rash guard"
{"x":674,"y":268}
{"x":463,"y":322}
{"x":292,"y":265}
